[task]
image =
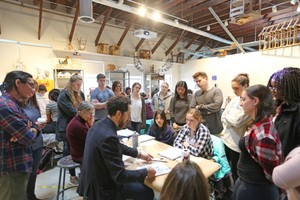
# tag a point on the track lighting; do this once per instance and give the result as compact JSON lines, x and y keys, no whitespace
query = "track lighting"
{"x":274,"y":9}
{"x":208,"y":28}
{"x":294,"y":2}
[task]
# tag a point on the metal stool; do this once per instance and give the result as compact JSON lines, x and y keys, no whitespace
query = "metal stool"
{"x":64,"y":164}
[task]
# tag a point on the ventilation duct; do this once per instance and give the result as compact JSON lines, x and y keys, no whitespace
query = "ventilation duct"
{"x":86,"y":11}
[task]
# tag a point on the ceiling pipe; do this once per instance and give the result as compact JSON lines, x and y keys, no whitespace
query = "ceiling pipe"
{"x":226,"y":29}
{"x":86,"y":11}
{"x":163,"y":20}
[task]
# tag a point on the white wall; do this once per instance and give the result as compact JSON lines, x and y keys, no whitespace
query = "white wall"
{"x":259,"y":66}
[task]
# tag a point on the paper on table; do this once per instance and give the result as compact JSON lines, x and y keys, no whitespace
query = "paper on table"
{"x":171,"y":153}
{"x":125,"y":133}
{"x":160,"y":168}
{"x":125,"y":157}
{"x":144,"y":138}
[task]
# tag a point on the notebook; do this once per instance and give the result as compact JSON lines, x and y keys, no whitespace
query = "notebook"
{"x":144,"y":138}
{"x":125,"y":133}
{"x":171,"y":153}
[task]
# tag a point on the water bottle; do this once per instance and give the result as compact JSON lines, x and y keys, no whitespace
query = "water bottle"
{"x":185,"y":155}
{"x":135,"y":140}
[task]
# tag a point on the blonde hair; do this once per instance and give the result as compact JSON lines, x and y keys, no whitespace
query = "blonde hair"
{"x":75,"y":96}
{"x":195,"y":114}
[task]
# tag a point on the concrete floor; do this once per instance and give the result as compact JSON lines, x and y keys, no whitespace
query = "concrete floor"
{"x":46,"y":186}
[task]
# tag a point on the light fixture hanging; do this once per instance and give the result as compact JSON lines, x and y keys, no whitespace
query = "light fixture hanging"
{"x":293,"y":2}
{"x":274,"y":9}
{"x":86,"y":11}
{"x":226,"y":23}
{"x":208,"y":28}
{"x":298,"y":8}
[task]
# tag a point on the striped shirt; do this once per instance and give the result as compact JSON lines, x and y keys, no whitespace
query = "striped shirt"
{"x":15,"y":156}
{"x":51,"y":109}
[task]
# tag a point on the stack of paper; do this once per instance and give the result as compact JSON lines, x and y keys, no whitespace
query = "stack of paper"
{"x":160,"y":168}
{"x":171,"y":153}
{"x":125,"y":133}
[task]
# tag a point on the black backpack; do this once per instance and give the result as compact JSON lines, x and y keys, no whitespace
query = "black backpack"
{"x":46,"y":159}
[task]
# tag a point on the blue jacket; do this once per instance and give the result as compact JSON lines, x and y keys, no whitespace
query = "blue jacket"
{"x":220,"y":157}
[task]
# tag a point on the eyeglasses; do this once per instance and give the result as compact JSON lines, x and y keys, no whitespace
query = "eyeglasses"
{"x":31,"y":85}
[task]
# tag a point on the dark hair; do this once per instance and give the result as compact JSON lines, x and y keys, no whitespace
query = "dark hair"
{"x":42,"y":87}
{"x":202,"y":74}
{"x":53,"y":94}
{"x":181,"y":84}
{"x":164,"y":117}
{"x":100,"y":76}
{"x":189,"y":91}
{"x":287,"y":84}
{"x":265,"y":106}
{"x":185,"y":181}
{"x":242,"y":79}
{"x":115,"y":84}
{"x":135,"y":84}
{"x":128,"y":88}
{"x":116,"y":103}
{"x":10,"y":80}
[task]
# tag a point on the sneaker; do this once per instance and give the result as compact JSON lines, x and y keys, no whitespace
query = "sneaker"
{"x":74,"y":180}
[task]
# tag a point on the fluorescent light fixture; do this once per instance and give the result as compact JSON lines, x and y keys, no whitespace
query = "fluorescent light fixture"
{"x":156,"y":15}
{"x":274,"y":9}
{"x":226,"y":23}
{"x":142,"y":11}
{"x":208,"y":28}
{"x":86,"y":11}
{"x":298,"y":8}
{"x":293,"y":2}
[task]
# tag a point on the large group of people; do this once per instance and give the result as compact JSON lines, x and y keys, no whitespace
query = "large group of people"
{"x":260,"y":128}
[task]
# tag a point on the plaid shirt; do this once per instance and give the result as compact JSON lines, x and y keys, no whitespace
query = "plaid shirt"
{"x":15,"y":156}
{"x":263,"y":144}
{"x":200,"y":144}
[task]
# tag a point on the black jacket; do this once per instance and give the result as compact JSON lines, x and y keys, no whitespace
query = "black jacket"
{"x":288,"y":126}
{"x":66,"y":111}
{"x":103,"y":171}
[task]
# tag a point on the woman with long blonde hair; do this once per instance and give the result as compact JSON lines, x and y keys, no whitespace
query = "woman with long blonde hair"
{"x":67,"y":103}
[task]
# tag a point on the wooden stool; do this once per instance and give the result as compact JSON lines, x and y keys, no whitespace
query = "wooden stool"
{"x":64,"y":164}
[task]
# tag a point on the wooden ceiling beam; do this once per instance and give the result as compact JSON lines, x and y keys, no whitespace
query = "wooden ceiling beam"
{"x":161,"y":40}
{"x":175,"y":42}
{"x":198,"y":49}
{"x":170,"y":4}
{"x":133,"y":17}
{"x":106,"y":18}
{"x":137,"y":47}
{"x":74,"y":24}
{"x":40,"y":19}
{"x":184,"y":6}
{"x":201,"y":7}
{"x":189,"y":44}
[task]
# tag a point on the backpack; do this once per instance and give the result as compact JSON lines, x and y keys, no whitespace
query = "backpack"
{"x":46,"y":159}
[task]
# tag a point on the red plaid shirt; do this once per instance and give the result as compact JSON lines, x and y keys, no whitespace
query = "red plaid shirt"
{"x":263,"y":144}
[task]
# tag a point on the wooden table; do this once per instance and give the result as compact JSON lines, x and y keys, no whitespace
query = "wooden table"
{"x":153,"y":147}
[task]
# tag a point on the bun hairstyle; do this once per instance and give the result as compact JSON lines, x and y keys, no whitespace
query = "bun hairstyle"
{"x":242,"y":79}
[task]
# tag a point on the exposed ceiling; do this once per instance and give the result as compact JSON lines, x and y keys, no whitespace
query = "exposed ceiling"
{"x":194,"y":16}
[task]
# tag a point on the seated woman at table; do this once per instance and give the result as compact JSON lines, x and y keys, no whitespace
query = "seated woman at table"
{"x":194,"y":136}
{"x":77,"y":129}
{"x":160,"y":129}
{"x":185,"y":181}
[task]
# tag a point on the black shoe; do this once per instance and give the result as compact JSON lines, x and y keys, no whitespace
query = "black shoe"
{"x":33,"y":198}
